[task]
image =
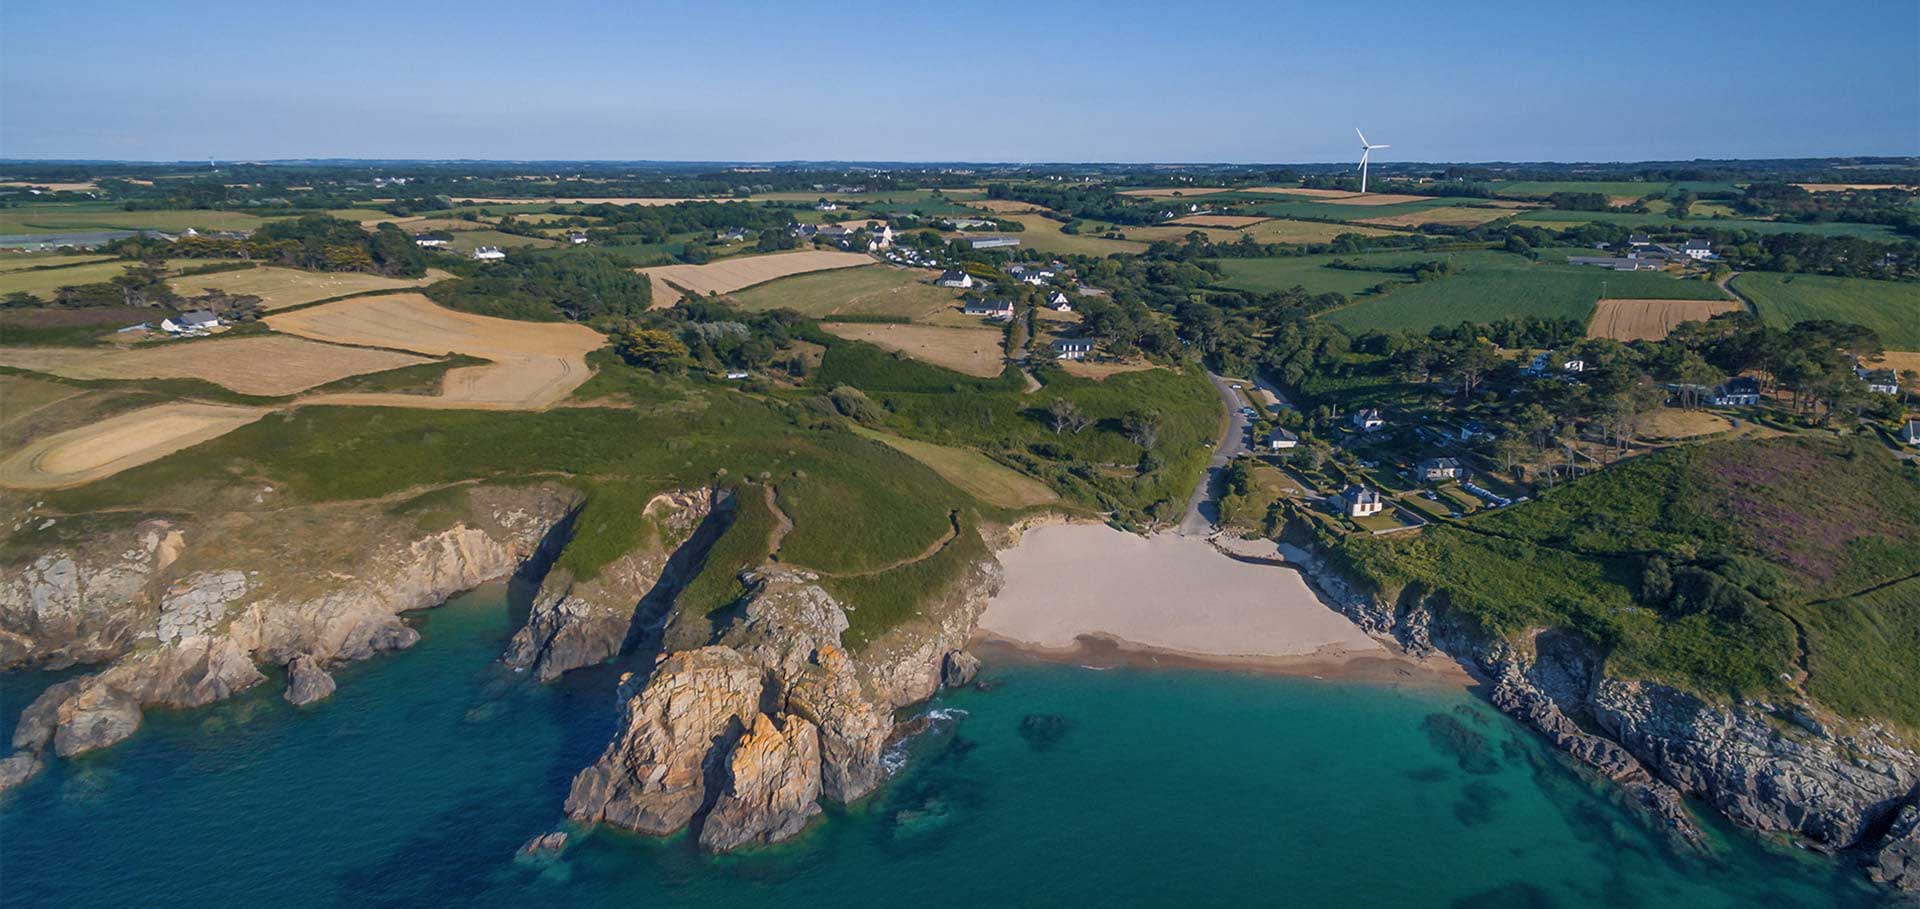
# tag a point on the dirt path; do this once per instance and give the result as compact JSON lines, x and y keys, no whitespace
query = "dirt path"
{"x":1726,"y":284}
{"x":953,"y":533}
{"x":105,"y":448}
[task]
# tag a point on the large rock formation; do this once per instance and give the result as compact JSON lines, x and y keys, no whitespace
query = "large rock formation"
{"x":575,"y":622}
{"x":1774,"y":768}
{"x":741,"y":738}
{"x":246,"y":590}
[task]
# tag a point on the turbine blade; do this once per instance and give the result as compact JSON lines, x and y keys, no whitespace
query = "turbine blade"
{"x":1379,"y":146}
{"x":1363,"y":136}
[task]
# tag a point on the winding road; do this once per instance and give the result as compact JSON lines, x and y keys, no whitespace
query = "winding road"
{"x":1203,"y":512}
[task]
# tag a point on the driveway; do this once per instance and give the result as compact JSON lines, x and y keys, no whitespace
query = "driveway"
{"x":1203,"y":513}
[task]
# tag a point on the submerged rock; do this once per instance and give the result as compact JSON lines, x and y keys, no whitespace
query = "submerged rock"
{"x":544,"y":845}
{"x":1044,"y":730}
{"x":18,"y":768}
{"x":307,"y":682}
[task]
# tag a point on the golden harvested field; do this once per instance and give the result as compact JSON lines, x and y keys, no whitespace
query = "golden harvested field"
{"x":616,"y":200}
{"x":1003,"y":206}
{"x":1635,"y":320}
{"x":1907,"y":361}
{"x":279,"y":288}
{"x":977,"y":474}
{"x":1381,"y":199}
{"x":974,"y":351}
{"x":18,"y":261}
{"x":255,"y":365}
{"x":882,"y":290}
{"x":729,"y":275}
{"x":1098,"y":371}
{"x":1843,"y":187}
{"x":1674,"y":423}
{"x":1169,"y":192}
{"x":105,"y":448}
{"x":55,"y":187}
{"x":1281,"y":230}
{"x":1457,"y":216}
{"x":1228,"y":221}
{"x":1302,"y":191}
{"x":534,"y":363}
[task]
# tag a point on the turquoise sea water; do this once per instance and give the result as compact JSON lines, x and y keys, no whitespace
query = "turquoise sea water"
{"x":415,"y":784}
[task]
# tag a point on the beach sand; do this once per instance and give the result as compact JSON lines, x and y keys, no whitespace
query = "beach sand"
{"x":1167,"y":592}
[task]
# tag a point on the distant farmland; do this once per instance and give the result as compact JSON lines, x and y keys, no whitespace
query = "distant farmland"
{"x":867,"y":290}
{"x":1890,"y":308}
{"x":1612,"y":188}
{"x":1310,"y":272}
{"x":47,"y":219}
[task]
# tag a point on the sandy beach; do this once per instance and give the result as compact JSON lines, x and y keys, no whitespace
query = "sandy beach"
{"x":1168,"y":592}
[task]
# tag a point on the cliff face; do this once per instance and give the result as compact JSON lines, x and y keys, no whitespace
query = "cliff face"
{"x":740,"y":738}
{"x":183,"y":617}
{"x":577,"y":623}
{"x":1774,"y":768}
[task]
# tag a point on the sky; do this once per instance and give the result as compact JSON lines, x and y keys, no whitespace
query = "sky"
{"x":980,"y":80}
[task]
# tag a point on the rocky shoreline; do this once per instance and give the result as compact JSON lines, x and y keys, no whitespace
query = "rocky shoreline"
{"x":1773,"y":768}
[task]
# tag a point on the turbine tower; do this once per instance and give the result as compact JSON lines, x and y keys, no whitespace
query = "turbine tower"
{"x":1364,"y":150}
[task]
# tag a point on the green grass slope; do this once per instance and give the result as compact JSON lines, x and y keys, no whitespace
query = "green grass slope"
{"x":1890,"y":308}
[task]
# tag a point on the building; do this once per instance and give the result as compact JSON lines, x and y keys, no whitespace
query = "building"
{"x":1739,"y":391}
{"x":803,"y":231}
{"x":955,"y":278}
{"x":577,"y":237}
{"x":1360,"y":502}
{"x":1698,"y":250}
{"x":1639,"y":240}
{"x":1435,"y":469}
{"x":1546,"y":364}
{"x":737,"y":375}
{"x":489,"y":254}
{"x":1281,"y":440}
{"x":1473,"y":429}
{"x":1072,"y":348}
{"x":1000,"y":310}
{"x":967,"y":223}
{"x":1617,"y":263}
{"x":1910,"y":433}
{"x":1368,"y":419}
{"x":1032,"y":274}
{"x":1879,"y":381}
{"x":996,"y":241}
{"x":198,"y":321}
{"x":430,"y":241}
{"x":731,"y":234}
{"x":879,"y":238}
{"x":1059,"y":302}
{"x":825,"y":205}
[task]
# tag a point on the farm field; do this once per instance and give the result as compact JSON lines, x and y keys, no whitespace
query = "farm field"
{"x":18,"y":261}
{"x":1615,"y":188}
{"x":1844,"y":187}
{"x":880,"y":290}
{"x":1488,"y":286}
{"x":268,"y":365}
{"x":1286,"y":230}
{"x":1355,"y":210}
{"x":1561,"y":220}
{"x":1005,"y":206}
{"x":1310,"y":272}
{"x":574,"y":200}
{"x":1890,"y":308}
{"x":49,"y":219}
{"x":466,"y":241}
{"x":279,"y":288}
{"x":1044,"y":234}
{"x":1650,"y":320}
{"x":44,"y":282}
{"x":1105,"y":369}
{"x":729,"y":275}
{"x":978,"y":475}
{"x":534,"y":364}
{"x":1169,"y":192}
{"x":1453,"y":216}
{"x":1234,"y":222}
{"x":105,"y":448}
{"x":974,"y":351}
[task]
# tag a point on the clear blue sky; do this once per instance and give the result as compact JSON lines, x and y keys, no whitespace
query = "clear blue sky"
{"x":976,"y":80}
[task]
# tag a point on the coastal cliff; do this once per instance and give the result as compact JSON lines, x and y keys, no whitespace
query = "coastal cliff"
{"x":1775,"y":768}
{"x":185,"y":615}
{"x":740,"y":738}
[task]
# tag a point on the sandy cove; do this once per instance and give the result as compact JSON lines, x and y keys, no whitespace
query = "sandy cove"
{"x":1101,"y":597}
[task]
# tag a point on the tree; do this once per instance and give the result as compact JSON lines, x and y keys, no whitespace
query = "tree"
{"x":1066,"y":416}
{"x":1142,"y":428}
{"x":1470,"y":362}
{"x":651,"y":348}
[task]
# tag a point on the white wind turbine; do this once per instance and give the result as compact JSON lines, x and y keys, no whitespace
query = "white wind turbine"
{"x":1364,"y":150}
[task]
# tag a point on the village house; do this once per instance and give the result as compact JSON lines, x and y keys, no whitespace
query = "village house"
{"x":966,"y":223}
{"x":1031,"y":274}
{"x":577,"y":237}
{"x":489,"y":254}
{"x":1639,"y":240}
{"x":1698,"y":250}
{"x":731,"y":234}
{"x":1281,"y":440}
{"x":1435,"y":469}
{"x":999,"y":310}
{"x":1739,"y":391}
{"x":1879,"y":381}
{"x":1473,"y":429}
{"x":1546,"y":364}
{"x":879,"y":238}
{"x":803,"y":231}
{"x":1072,"y":348}
{"x":955,"y":278}
{"x":825,"y":205}
{"x":1368,"y":419}
{"x":1059,"y":302}
{"x":199,"y":321}
{"x":1361,"y":502}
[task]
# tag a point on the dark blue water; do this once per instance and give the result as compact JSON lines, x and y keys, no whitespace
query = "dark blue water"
{"x":416,"y":783}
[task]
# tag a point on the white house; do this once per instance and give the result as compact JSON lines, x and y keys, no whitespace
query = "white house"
{"x":1698,"y":249}
{"x":1739,"y":391}
{"x":197,"y":321}
{"x":825,"y":205}
{"x":1368,"y":419}
{"x":879,"y":238}
{"x":1360,"y":502}
{"x":577,"y":237}
{"x":1440,"y":469}
{"x":430,"y":242}
{"x":489,"y":254}
{"x":1639,"y":240}
{"x":1281,"y":440}
{"x":1072,"y":348}
{"x":1879,"y":381}
{"x":1001,"y":310}
{"x":955,"y":278}
{"x":1059,"y":302}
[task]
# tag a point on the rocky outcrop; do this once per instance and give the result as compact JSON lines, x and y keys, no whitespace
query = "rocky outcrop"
{"x":307,"y":682}
{"x":741,"y":739}
{"x":193,"y":635}
{"x":1774,"y":768}
{"x":579,"y":622}
{"x":85,"y":602}
{"x":959,"y":668}
{"x":1895,"y":859}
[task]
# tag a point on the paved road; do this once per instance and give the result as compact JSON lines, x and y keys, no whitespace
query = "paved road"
{"x":1202,"y":511}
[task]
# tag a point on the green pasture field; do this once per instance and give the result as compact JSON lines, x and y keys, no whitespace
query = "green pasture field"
{"x":1636,"y":189}
{"x":1890,"y":308}
{"x":43,"y":282}
{"x":868,"y":290}
{"x":85,"y":216}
